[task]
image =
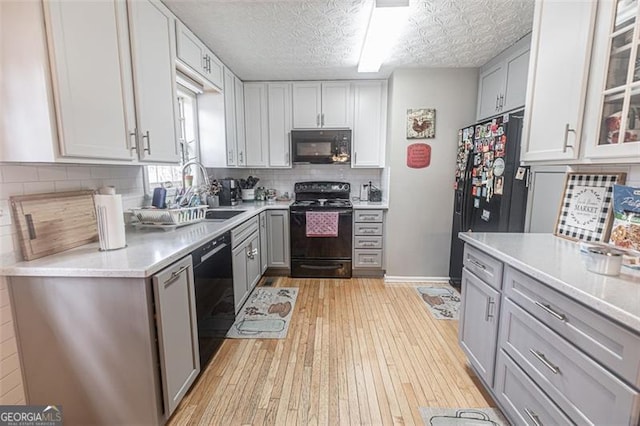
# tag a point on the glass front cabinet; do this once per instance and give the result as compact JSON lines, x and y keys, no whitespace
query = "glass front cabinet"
{"x":612,"y":114}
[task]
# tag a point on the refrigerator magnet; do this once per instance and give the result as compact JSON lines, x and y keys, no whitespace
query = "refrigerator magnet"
{"x":476,"y":203}
{"x":486,"y":214}
{"x":499,"y":185}
{"x":484,"y":192}
{"x":498,"y":166}
{"x":474,"y":191}
{"x":520,"y":173}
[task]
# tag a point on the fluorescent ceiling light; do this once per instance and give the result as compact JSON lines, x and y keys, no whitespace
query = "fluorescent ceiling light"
{"x":387,"y":19}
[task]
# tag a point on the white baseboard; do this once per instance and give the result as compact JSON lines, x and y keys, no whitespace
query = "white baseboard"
{"x":417,"y":280}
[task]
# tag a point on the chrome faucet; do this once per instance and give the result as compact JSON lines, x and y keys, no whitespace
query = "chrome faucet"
{"x":200,"y":167}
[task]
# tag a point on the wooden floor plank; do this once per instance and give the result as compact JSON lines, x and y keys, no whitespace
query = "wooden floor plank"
{"x":357,"y":352}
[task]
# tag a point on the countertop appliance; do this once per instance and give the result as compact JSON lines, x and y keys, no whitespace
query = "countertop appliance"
{"x":213,"y":277}
{"x":314,"y":255}
{"x":229,"y":194}
{"x":490,"y":186}
{"x":321,"y":146}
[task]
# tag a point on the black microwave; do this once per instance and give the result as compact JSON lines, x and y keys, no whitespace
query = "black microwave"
{"x":321,"y":146}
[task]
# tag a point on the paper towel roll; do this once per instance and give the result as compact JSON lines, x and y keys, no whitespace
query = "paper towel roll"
{"x":110,"y":221}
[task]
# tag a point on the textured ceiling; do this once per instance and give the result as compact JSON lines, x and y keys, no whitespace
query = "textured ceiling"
{"x":321,"y":39}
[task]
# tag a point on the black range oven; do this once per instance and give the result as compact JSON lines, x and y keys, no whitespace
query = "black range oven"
{"x":321,"y":225}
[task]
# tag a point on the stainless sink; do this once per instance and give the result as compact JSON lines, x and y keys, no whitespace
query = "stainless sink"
{"x":221,"y":215}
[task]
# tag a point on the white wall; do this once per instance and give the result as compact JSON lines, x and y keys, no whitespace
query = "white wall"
{"x":32,"y":178}
{"x":418,"y":233}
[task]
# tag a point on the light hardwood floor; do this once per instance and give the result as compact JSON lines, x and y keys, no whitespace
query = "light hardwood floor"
{"x":357,"y":352}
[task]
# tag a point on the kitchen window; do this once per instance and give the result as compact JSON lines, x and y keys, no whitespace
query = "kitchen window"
{"x":187,"y":102}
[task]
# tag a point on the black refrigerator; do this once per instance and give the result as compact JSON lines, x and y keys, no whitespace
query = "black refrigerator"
{"x":490,"y":185}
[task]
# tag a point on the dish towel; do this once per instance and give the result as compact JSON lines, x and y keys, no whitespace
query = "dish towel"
{"x":322,"y":224}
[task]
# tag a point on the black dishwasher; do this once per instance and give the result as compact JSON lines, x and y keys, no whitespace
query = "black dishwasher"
{"x":213,"y":276}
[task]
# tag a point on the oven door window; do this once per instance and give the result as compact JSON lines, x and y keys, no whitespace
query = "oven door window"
{"x":320,"y":247}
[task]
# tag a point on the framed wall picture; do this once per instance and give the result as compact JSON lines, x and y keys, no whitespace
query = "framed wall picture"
{"x":586,"y":210}
{"x":421,"y":123}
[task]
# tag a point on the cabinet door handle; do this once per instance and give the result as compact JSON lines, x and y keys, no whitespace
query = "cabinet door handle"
{"x":176,"y":274}
{"x":204,"y":62}
{"x":547,"y":309}
{"x":133,"y":146}
{"x":322,"y":119}
{"x":501,"y":102}
{"x":497,"y":102}
{"x":567,"y":130}
{"x":230,"y":156}
{"x":478,"y":264}
{"x":240,"y":157}
{"x":488,"y":315}
{"x":148,"y":138}
{"x":534,"y":417}
{"x":318,"y":120}
{"x":540,"y":356}
{"x":286,"y":158}
{"x":355,"y":157}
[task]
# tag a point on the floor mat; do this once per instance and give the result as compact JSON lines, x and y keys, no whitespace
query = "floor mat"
{"x":442,"y":301}
{"x":266,"y":314}
{"x":462,"y":416}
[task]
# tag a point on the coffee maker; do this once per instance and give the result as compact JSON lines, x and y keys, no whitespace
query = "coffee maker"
{"x":229,"y":192}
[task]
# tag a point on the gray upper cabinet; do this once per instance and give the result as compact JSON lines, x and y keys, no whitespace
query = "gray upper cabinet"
{"x":177,"y":326}
{"x":197,"y":57}
{"x":502,"y":82}
{"x":154,"y":77}
{"x":560,"y":57}
{"x":94,"y":120}
{"x":256,"y":118}
{"x":478,"y":327}
{"x":322,"y":104}
{"x":369,"y":123}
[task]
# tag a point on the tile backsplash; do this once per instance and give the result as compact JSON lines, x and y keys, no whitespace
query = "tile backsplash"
{"x":30,"y":178}
{"x":283,"y":180}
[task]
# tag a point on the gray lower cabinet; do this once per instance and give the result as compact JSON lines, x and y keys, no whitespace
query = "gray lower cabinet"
{"x":278,"y":237}
{"x":264,"y":243}
{"x":556,"y":361}
{"x":368,"y":242}
{"x":245,"y":241}
{"x":110,"y":350}
{"x":176,"y":320}
{"x":522,"y":398}
{"x":478,"y":326}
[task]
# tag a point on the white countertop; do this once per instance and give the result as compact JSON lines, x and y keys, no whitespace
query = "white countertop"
{"x":148,"y":250}
{"x":558,"y":263}
{"x":370,"y":205}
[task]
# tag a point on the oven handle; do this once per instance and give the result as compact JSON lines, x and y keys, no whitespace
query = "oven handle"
{"x":341,"y":212}
{"x":323,"y":267}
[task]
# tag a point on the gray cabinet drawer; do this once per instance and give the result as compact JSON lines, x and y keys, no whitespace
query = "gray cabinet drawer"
{"x":368,"y":215}
{"x":583,"y":389}
{"x":484,"y":266}
{"x":362,"y":242}
{"x":243,"y":231}
{"x":523,"y":401}
{"x":367,"y":229}
{"x":367,"y":258}
{"x":607,"y":342}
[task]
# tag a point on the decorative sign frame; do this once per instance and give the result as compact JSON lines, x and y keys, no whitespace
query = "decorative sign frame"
{"x":421,"y":123}
{"x":586,"y":210}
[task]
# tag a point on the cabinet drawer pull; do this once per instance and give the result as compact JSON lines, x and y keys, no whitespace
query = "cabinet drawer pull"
{"x":176,"y":274}
{"x":148,"y":138}
{"x":533,"y":416}
{"x":567,"y":129}
{"x":478,"y":264}
{"x":547,"y":309}
{"x":134,"y":145}
{"x":540,"y":356}
{"x":488,"y":315}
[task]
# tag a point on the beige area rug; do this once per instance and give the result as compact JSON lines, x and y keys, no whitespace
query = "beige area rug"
{"x":443,"y":301}
{"x":266,"y":314}
{"x":462,"y":417}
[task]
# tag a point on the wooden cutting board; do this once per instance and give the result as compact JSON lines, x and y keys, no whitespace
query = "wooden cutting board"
{"x":51,"y":223}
